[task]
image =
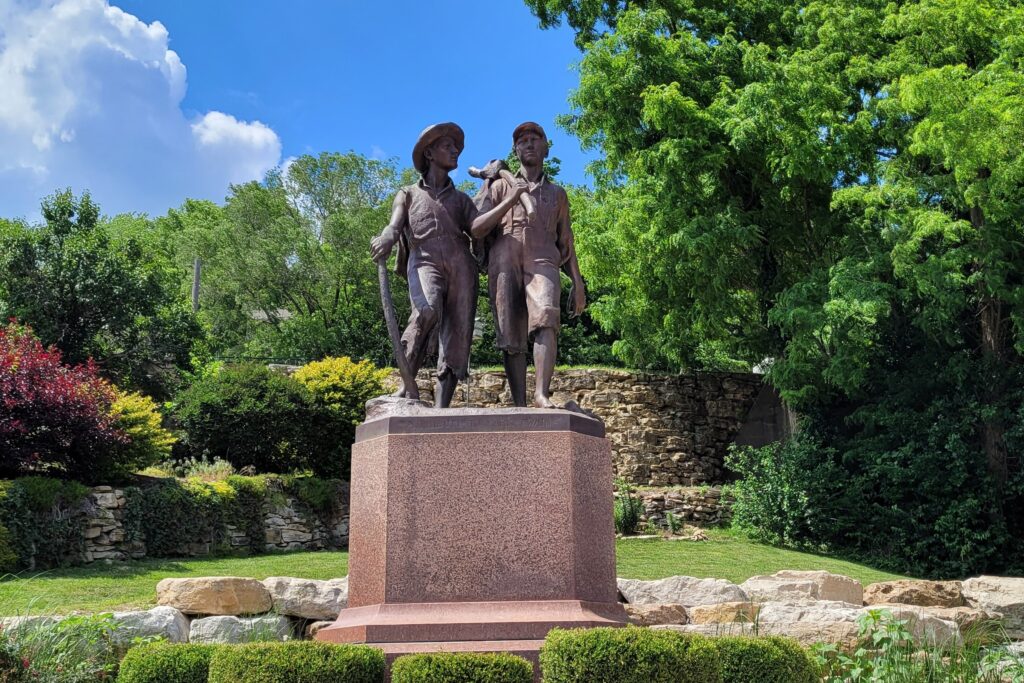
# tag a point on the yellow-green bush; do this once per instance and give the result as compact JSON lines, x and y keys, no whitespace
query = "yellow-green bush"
{"x":341,"y":388}
{"x":342,"y":384}
{"x":138,"y":417}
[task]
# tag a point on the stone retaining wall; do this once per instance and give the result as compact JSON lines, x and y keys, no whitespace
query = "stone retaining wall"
{"x":287,"y":525}
{"x":702,"y":507}
{"x":665,"y":430}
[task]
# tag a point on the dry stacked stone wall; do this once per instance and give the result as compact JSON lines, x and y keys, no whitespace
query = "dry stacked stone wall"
{"x":287,"y":525}
{"x":699,"y":506}
{"x":665,"y":430}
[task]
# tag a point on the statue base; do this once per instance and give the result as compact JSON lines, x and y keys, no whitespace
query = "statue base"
{"x":478,"y":530}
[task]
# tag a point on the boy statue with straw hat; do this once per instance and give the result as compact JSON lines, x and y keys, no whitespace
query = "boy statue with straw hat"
{"x":432,"y":222}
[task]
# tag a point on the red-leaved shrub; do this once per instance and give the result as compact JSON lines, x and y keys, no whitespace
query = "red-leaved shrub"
{"x":54,"y":418}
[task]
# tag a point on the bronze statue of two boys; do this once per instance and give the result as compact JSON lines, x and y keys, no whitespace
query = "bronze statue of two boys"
{"x":518,"y":225}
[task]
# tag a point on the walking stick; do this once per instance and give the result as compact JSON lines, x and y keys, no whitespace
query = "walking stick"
{"x":391,"y":318}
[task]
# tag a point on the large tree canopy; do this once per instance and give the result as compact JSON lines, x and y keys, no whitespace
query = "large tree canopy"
{"x":94,"y":289}
{"x":286,"y":271}
{"x":835,"y":186}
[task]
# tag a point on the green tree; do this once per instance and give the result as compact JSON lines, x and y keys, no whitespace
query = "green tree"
{"x":286,"y":271}
{"x":835,"y":186}
{"x":93,"y":292}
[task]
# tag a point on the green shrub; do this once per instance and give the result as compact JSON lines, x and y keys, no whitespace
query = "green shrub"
{"x":166,"y":663}
{"x":138,"y":417}
{"x":297,"y":662}
{"x":341,"y":388}
{"x":765,"y":660}
{"x":38,"y":514}
{"x":627,"y":509}
{"x":461,"y":667}
{"x":628,"y":655}
{"x":252,"y":417}
{"x":75,"y":649}
{"x":886,"y":651}
{"x":8,"y":558}
{"x":12,"y":669}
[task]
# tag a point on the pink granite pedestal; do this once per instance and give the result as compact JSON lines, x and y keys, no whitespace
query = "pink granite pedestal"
{"x":478,"y":530}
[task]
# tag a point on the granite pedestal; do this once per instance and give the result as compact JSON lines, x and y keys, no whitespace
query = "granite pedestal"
{"x":478,"y":530}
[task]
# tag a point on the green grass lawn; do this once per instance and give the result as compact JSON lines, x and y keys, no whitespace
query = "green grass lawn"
{"x":730,"y":556}
{"x":132,"y":585}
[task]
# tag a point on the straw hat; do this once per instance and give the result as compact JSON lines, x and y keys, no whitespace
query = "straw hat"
{"x":430,"y":135}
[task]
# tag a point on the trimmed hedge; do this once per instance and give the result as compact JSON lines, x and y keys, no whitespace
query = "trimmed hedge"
{"x":628,"y":655}
{"x":297,"y":662}
{"x":166,"y":663}
{"x":766,"y":660}
{"x":461,"y":667}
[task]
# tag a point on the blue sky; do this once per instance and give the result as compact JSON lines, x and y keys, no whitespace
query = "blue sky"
{"x":146,"y":102}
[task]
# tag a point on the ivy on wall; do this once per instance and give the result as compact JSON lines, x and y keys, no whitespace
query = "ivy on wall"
{"x":39,"y":516}
{"x":42,"y":520}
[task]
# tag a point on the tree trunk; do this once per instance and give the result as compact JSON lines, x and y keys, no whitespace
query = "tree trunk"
{"x":994,"y":350}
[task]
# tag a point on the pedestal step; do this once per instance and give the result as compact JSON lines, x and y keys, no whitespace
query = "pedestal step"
{"x":467,"y":621}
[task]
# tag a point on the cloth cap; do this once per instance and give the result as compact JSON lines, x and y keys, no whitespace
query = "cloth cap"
{"x":429,"y":136}
{"x":528,"y":127}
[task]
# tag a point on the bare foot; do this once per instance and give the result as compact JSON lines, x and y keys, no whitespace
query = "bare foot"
{"x":413,"y":395}
{"x":541,"y":401}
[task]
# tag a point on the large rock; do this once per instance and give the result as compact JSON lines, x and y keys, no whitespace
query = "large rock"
{"x":653,"y":615}
{"x":921,"y":593}
{"x":680,"y":590}
{"x":306,"y":598}
{"x":840,"y":633}
{"x":926,"y":628}
{"x":723,"y":613}
{"x":811,"y":621}
{"x":976,"y":625}
{"x":999,"y":594}
{"x":27,"y":624}
{"x":797,"y":585}
{"x":217,"y":595}
{"x":165,"y":622}
{"x":240,"y":629}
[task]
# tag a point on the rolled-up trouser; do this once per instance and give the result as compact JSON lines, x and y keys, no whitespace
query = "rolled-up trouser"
{"x":524,"y":292}
{"x":443,"y":280}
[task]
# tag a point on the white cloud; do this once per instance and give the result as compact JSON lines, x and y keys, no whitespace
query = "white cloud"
{"x":90,"y":97}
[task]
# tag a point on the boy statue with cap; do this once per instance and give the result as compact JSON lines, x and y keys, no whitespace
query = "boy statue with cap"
{"x":524,"y":257}
{"x":432,"y":222}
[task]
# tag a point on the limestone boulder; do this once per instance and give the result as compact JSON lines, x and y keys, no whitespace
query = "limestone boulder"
{"x":801,"y":585}
{"x":840,"y":633}
{"x":165,"y":622}
{"x":999,"y":594}
{"x":232,"y":630}
{"x":723,"y":613}
{"x":306,"y":598}
{"x":974,"y":624}
{"x":217,"y":595}
{"x":27,"y":624}
{"x":921,"y":593}
{"x":812,"y":621}
{"x":680,"y":590}
{"x":654,"y":614}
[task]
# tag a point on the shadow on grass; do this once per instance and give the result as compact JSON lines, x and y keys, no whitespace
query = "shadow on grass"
{"x":128,"y":569}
